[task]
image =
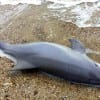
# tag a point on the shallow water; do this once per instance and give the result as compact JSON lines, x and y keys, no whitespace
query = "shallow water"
{"x":82,"y":13}
{"x":9,"y":12}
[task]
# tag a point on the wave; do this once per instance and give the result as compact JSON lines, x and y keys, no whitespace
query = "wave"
{"x":83,"y":13}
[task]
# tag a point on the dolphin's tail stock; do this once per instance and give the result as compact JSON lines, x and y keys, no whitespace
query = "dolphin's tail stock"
{"x":3,"y":48}
{"x":3,"y":45}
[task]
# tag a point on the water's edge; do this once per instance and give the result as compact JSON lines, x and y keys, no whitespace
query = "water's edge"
{"x":82,"y":13}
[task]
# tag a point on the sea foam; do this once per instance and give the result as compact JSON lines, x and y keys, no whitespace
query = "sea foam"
{"x":83,"y":13}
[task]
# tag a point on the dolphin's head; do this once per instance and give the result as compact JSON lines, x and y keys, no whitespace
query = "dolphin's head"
{"x":95,"y":75}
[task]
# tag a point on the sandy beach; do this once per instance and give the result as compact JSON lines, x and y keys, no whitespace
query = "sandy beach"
{"x":30,"y":24}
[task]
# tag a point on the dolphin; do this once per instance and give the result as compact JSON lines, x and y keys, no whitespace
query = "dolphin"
{"x":70,"y":63}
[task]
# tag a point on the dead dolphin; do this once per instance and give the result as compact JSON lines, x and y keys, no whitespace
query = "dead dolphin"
{"x":69,"y":63}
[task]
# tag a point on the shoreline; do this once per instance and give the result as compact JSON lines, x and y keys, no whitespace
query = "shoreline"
{"x":32,"y":25}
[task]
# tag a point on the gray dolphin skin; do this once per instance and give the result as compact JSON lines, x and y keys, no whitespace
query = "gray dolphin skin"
{"x":70,"y":63}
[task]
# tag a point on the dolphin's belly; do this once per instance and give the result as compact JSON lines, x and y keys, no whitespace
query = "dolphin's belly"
{"x":66,"y":70}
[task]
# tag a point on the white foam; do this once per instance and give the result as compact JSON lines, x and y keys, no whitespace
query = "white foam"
{"x":83,"y":15}
{"x":79,"y":12}
{"x":64,"y":3}
{"x":14,"y":2}
{"x":69,"y":3}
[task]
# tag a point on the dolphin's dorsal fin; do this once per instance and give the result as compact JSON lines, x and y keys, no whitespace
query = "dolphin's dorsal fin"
{"x":77,"y":45}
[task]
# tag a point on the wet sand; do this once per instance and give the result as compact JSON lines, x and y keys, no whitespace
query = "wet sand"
{"x":31,"y":25}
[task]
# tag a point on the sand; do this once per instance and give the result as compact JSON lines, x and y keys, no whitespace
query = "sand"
{"x":31,"y":25}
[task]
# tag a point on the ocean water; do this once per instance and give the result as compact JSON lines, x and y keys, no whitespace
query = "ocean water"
{"x":83,"y":13}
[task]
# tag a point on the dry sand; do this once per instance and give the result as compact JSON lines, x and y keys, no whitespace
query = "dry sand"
{"x":29,"y":26}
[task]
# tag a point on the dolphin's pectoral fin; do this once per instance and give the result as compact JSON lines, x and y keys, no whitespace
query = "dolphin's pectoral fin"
{"x":22,"y":65}
{"x":77,"y":45}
